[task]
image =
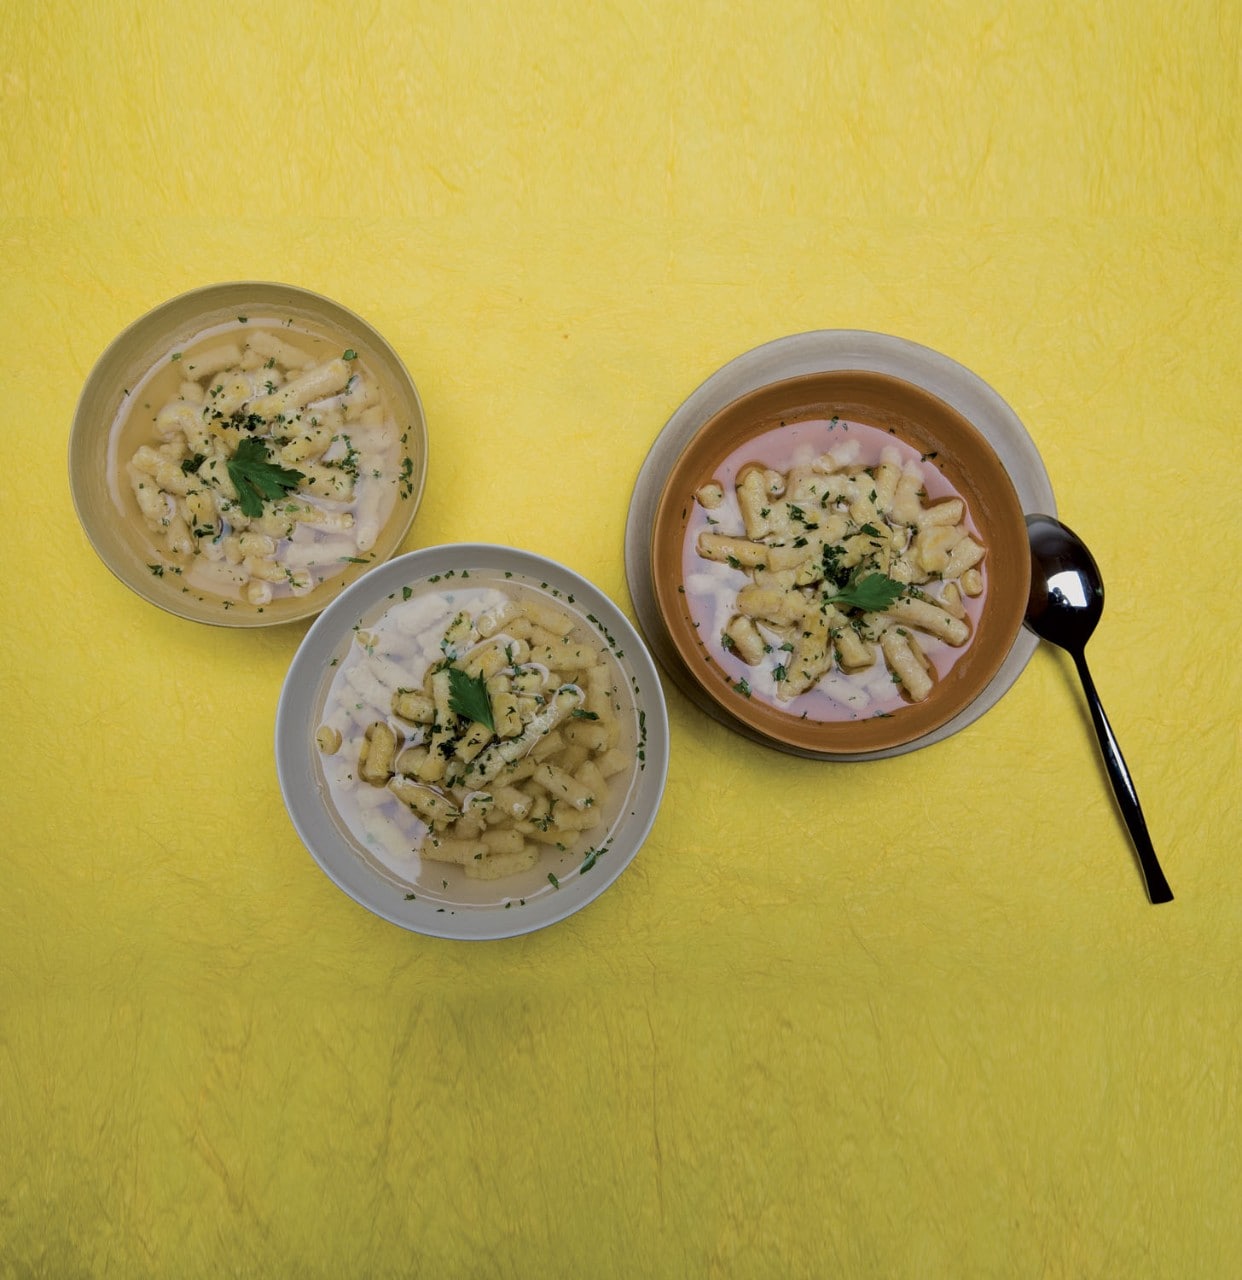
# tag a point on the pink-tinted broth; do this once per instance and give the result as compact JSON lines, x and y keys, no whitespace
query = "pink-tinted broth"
{"x":781,"y":448}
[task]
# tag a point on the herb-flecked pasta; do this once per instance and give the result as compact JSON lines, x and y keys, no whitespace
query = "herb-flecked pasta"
{"x":263,"y":458}
{"x":832,"y":570}
{"x":476,"y":726}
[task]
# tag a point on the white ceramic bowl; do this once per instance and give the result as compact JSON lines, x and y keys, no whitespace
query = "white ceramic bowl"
{"x":370,"y":855}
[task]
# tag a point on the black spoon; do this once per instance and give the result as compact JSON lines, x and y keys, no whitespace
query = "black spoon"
{"x":1066,"y":601}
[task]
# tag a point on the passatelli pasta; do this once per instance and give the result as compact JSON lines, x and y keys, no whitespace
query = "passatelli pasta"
{"x":477,"y":727}
{"x":263,"y":457}
{"x":832,"y":570}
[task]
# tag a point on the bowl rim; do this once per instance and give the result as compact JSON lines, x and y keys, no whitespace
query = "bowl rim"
{"x":805,"y":397}
{"x":150,"y":330}
{"x":301,"y":698}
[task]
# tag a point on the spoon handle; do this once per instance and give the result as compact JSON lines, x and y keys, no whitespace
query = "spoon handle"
{"x":1123,"y":788}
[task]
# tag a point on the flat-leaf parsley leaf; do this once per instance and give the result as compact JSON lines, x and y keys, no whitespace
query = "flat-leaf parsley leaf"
{"x":256,"y":477}
{"x":468,"y":697}
{"x":872,"y":593}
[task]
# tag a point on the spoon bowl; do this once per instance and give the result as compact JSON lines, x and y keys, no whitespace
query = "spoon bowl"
{"x":1064,"y":607}
{"x":1067,"y":588}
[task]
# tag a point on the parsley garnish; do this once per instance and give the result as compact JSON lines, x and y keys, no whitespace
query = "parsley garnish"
{"x":468,"y":697}
{"x":349,"y":463}
{"x":834,"y":571}
{"x":872,"y":593}
{"x":257,"y":478}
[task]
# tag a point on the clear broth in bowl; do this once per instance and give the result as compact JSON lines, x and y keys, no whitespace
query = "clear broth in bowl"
{"x":185,"y":418}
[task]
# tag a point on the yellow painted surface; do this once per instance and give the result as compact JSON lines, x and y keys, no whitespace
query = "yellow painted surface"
{"x":899,"y":1019}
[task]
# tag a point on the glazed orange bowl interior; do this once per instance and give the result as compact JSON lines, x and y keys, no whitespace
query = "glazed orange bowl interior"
{"x":840,"y":561}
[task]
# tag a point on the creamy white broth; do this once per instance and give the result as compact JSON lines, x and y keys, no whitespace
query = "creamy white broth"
{"x":209,"y":401}
{"x":713,"y":588}
{"x":395,"y":653}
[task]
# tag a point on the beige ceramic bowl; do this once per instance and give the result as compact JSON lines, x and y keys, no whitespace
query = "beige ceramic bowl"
{"x":107,"y":424}
{"x":967,"y":462}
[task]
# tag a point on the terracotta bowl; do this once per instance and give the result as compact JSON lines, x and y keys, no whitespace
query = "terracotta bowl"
{"x":115,"y":415}
{"x":963,"y":458}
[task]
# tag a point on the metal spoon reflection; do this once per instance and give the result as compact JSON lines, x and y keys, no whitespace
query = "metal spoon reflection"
{"x":1066,"y":601}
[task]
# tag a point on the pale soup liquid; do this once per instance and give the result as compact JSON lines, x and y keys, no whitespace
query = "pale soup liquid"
{"x":135,"y":425}
{"x":711,"y":588}
{"x":401,"y":647}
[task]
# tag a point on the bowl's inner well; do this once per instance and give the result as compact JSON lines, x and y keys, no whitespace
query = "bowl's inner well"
{"x":493,"y":625}
{"x":168,"y":402}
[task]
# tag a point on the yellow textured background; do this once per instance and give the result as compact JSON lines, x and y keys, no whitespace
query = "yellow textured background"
{"x":899,"y":1019}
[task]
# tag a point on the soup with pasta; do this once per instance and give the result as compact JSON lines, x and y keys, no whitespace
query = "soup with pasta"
{"x":833,"y":571}
{"x":477,"y":724}
{"x":262,"y":456}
